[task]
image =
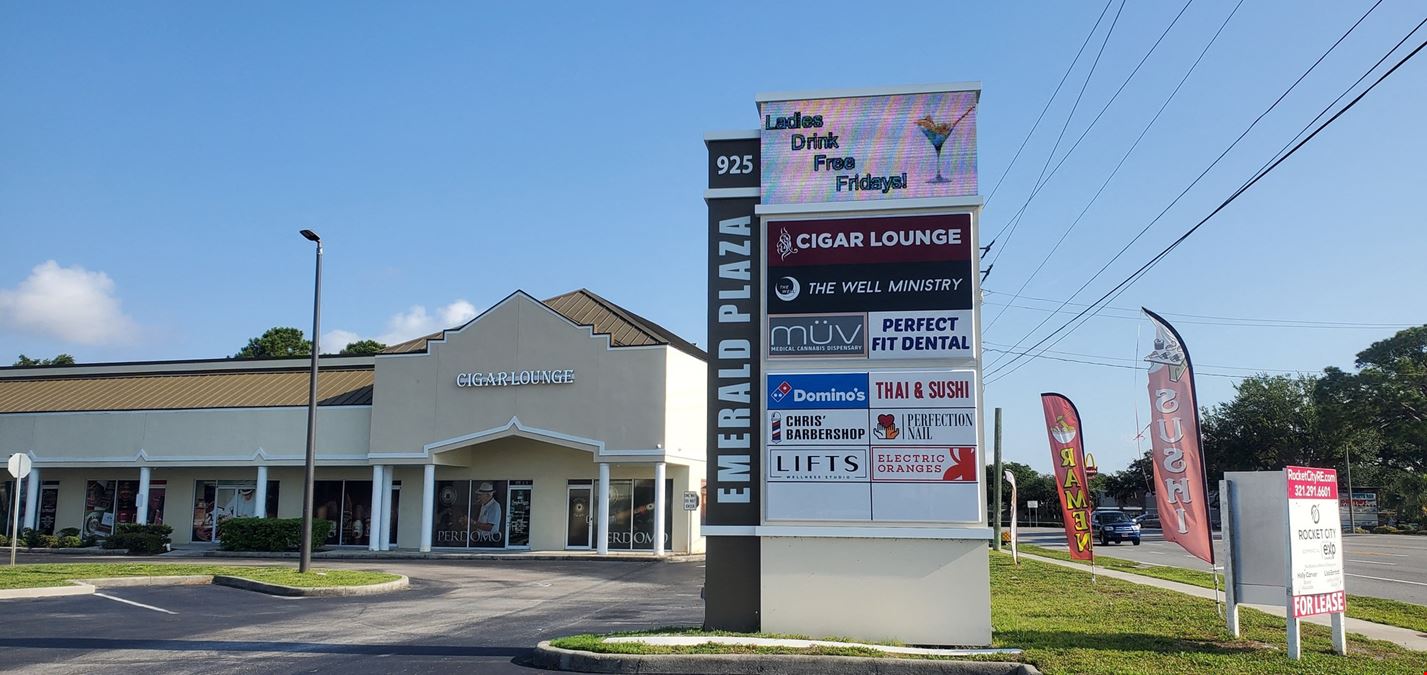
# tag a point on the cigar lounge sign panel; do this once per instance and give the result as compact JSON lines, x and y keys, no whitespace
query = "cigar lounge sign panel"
{"x":878,"y":288}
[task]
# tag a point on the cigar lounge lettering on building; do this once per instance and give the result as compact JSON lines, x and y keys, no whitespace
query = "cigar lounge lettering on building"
{"x":514,"y":378}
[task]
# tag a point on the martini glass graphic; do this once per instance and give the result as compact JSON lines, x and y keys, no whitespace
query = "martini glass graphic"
{"x":936,"y":133}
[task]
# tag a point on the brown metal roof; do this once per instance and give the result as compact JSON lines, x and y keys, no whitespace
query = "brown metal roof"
{"x":584,"y":308}
{"x":182,"y":391}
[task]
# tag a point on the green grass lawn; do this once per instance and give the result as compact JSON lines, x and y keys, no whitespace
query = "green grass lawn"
{"x":1066,"y":625}
{"x":1377,"y":610}
{"x":60,"y":574}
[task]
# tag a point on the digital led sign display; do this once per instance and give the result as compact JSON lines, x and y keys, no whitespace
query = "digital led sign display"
{"x":860,"y":148}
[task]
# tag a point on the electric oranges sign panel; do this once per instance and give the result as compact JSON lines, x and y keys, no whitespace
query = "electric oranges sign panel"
{"x":862,"y":148}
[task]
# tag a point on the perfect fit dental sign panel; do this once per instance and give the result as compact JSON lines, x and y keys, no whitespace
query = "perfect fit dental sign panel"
{"x":869,"y":147}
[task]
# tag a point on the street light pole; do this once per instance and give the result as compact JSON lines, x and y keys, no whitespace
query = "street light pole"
{"x":310,"y":468}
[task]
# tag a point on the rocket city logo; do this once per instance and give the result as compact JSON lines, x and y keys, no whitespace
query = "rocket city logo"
{"x":781,"y":392}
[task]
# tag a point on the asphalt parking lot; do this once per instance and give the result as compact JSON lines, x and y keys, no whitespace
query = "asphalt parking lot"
{"x":458,"y":616}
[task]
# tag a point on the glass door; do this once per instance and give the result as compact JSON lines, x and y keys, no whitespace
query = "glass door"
{"x":233,"y":501}
{"x":577,"y":526}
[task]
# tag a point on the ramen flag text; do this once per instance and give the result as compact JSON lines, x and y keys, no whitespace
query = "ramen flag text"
{"x":1181,"y":490}
{"x":1067,"y":453}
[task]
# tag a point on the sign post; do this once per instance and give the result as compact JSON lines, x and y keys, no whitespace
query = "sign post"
{"x":1315,"y":561}
{"x":19,"y":466}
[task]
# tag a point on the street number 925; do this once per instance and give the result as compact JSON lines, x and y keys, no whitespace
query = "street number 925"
{"x":735,"y":164}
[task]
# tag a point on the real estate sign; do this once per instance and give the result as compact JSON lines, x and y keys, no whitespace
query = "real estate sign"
{"x":1315,"y":542}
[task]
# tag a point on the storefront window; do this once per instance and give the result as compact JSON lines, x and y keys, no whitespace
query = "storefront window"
{"x":348,"y":504}
{"x":631,"y":514}
{"x":49,"y":504}
{"x":481,"y":513}
{"x":98,"y":509}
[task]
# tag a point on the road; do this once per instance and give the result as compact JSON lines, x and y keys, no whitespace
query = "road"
{"x":458,"y":616}
{"x":1378,"y":565}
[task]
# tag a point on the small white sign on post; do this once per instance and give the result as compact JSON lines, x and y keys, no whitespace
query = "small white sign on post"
{"x":691,"y":500}
{"x":1033,"y":503}
{"x":19,"y":466}
{"x":1315,"y":553}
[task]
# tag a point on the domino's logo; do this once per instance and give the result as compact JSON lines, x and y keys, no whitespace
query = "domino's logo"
{"x":781,"y":392}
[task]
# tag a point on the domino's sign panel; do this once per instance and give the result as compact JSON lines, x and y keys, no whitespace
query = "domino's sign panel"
{"x":885,"y":447}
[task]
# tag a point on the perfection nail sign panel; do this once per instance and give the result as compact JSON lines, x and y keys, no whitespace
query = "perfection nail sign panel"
{"x":875,"y":447}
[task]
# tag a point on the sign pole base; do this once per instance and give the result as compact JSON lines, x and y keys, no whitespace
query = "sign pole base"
{"x":1295,"y":644}
{"x":1340,"y":635}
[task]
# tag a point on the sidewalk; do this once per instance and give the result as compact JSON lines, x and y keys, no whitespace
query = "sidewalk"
{"x":1404,"y":637}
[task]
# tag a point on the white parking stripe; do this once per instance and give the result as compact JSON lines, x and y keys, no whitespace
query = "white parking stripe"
{"x":1372,"y":562}
{"x":136,"y":604}
{"x":1396,"y":581}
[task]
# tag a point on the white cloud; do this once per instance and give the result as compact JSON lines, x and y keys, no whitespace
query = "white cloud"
{"x":334,"y":341}
{"x":415,"y":322}
{"x":68,"y":303}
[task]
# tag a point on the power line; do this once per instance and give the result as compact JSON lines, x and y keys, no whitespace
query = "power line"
{"x":1040,"y":180}
{"x":1042,"y":355}
{"x":1137,"y":274}
{"x":1221,"y":321}
{"x":1198,"y":178}
{"x":1050,"y":100}
{"x":1137,"y":360}
{"x":1115,"y":171}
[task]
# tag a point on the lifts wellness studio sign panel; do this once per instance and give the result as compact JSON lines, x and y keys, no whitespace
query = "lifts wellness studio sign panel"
{"x":857,"y":148}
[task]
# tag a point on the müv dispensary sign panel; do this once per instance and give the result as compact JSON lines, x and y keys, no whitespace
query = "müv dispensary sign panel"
{"x":1315,"y":542}
{"x":869,"y":147}
{"x":880,"y":288}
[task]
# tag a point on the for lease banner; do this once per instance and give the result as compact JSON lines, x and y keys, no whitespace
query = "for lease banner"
{"x":1067,"y":454}
{"x":1315,"y":542}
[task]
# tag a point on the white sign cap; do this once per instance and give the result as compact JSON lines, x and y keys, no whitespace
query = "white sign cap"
{"x":19,"y":465}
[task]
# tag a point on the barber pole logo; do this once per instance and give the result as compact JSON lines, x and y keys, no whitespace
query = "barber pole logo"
{"x":777,"y":436}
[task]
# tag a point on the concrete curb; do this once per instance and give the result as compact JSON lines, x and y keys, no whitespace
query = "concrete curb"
{"x":89,"y":586}
{"x":75,"y":588}
{"x":320,"y":592}
{"x":555,"y":658}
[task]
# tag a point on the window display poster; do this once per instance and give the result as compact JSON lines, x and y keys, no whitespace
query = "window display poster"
{"x":631,"y":514}
{"x":472,"y":513}
{"x":98,"y":509}
{"x":49,"y":503}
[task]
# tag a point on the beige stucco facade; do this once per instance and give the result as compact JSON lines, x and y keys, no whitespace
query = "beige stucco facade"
{"x":635,"y":410}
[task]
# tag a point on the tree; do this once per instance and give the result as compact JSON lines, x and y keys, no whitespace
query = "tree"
{"x":1385,"y":402}
{"x":362,"y":348}
{"x":58,"y":360}
{"x":1030,"y":485}
{"x":277,"y":342}
{"x":1272,"y":422}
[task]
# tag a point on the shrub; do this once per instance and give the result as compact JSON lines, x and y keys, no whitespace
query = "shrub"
{"x":131,"y":528}
{"x":68,"y":532}
{"x":31,"y":539}
{"x":4,"y":541}
{"x":70,"y":541}
{"x":48,"y":541}
{"x":138,"y":543}
{"x":1359,"y":530}
{"x":1384,"y":529}
{"x":269,"y":534}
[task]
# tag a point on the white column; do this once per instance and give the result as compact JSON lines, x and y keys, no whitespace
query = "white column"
{"x":659,"y":501}
{"x":602,"y":531}
{"x":32,"y":500}
{"x":260,"y":495}
{"x":374,"y":531}
{"x":386,"y":507}
{"x":141,"y":502}
{"x":428,"y":506}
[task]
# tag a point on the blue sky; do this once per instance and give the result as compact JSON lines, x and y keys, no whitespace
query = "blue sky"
{"x":164,"y":155}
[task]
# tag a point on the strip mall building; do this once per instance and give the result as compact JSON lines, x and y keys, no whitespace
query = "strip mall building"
{"x":568,"y":424}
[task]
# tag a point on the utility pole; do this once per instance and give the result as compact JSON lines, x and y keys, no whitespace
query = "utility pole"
{"x":996,"y":476}
{"x":1348,"y":457}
